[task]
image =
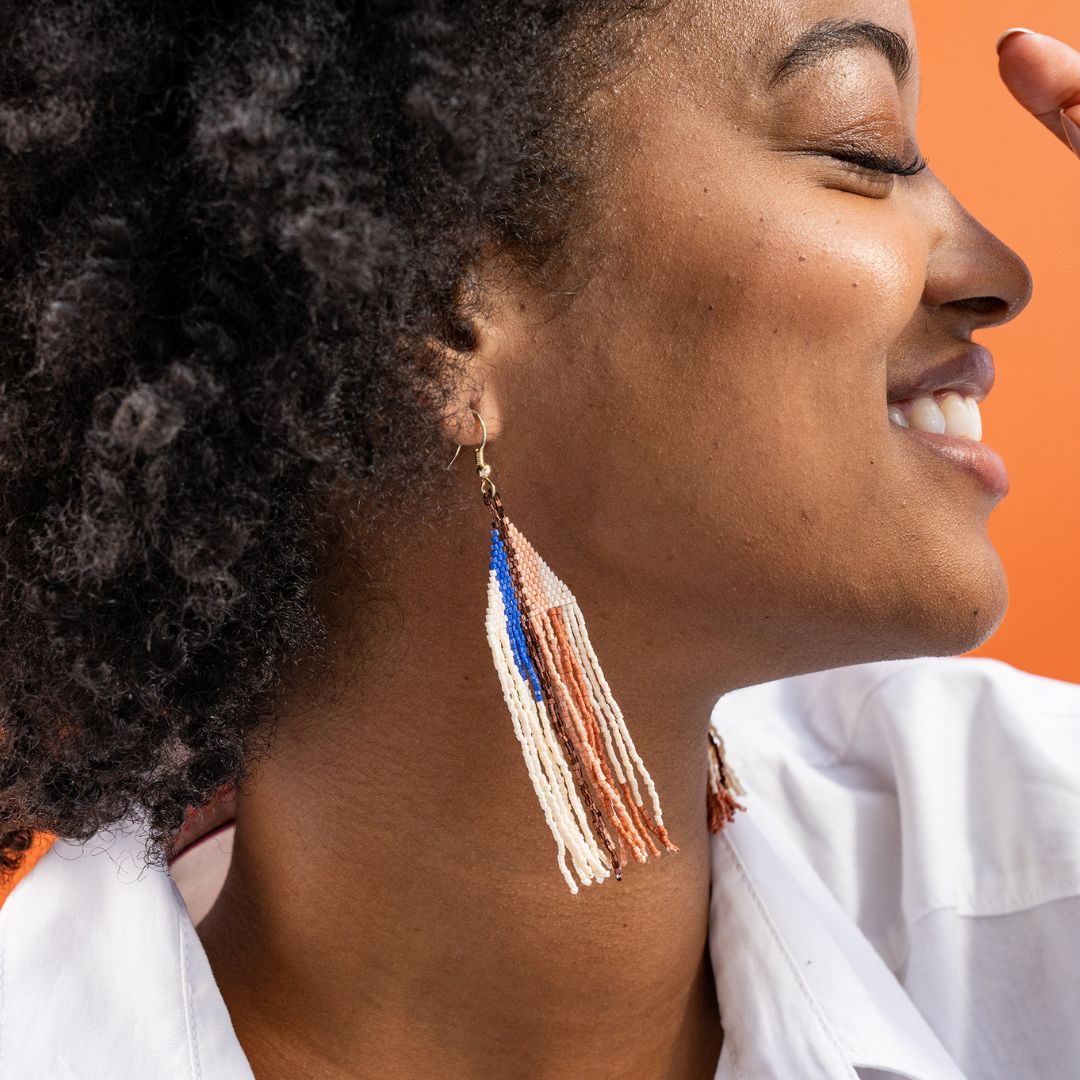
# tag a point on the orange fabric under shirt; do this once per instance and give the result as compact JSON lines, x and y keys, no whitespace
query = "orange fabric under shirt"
{"x":41,"y":843}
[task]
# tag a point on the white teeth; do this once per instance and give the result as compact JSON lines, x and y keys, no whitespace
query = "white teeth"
{"x":976,"y":419}
{"x":962,"y":416}
{"x":954,"y":415}
{"x":926,"y":415}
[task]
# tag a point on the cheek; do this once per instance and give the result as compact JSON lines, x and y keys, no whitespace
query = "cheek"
{"x":820,"y":289}
{"x":842,"y":278}
{"x":814,"y":304}
{"x":776,"y":307}
{"x":742,"y":339}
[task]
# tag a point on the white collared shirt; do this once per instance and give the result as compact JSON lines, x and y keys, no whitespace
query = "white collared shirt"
{"x":901,"y":899}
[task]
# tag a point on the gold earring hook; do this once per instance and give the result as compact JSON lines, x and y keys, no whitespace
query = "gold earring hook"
{"x":483,"y":428}
{"x":483,"y":469}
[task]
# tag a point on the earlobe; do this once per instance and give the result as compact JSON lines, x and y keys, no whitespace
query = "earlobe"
{"x":460,"y":426}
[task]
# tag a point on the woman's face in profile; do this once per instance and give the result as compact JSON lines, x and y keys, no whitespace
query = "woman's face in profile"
{"x":758,"y":287}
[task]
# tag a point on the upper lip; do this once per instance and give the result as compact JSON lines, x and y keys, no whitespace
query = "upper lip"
{"x":970,"y":373}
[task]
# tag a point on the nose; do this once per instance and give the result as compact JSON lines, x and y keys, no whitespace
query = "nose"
{"x":972,"y":277}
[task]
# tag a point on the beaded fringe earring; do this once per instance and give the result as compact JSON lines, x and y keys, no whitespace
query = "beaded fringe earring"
{"x":577,"y":748}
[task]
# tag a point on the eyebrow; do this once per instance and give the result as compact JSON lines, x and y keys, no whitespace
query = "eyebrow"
{"x":831,"y":36}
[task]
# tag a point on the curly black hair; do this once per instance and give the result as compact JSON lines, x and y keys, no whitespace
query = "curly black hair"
{"x":227,"y":229}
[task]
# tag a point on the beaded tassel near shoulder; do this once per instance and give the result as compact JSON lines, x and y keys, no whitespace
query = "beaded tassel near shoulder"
{"x":587,"y":774}
{"x":723,"y":785}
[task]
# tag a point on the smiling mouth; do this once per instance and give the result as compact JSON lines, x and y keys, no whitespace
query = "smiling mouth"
{"x":944,"y":399}
{"x":939,"y":411}
{"x":948,"y":426}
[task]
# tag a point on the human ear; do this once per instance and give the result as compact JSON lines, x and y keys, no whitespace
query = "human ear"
{"x":483,"y":347}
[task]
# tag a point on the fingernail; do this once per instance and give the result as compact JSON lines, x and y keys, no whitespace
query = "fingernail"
{"x":1009,"y":33}
{"x":1072,"y":130}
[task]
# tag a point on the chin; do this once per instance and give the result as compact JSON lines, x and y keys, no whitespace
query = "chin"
{"x":945,"y":604}
{"x":963,"y":613}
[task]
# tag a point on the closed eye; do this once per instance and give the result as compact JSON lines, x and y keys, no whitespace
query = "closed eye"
{"x":883,"y":163}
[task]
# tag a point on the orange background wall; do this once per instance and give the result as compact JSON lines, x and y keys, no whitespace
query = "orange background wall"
{"x":1024,"y":186}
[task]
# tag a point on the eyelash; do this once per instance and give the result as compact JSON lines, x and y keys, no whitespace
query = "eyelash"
{"x":881,"y":163}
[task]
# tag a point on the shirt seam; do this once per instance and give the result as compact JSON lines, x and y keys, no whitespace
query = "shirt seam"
{"x":189,"y":1010}
{"x":870,"y":1059}
{"x":789,"y":962}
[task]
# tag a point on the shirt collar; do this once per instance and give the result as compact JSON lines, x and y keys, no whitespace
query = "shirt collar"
{"x":801,"y":990}
{"x":125,"y":991}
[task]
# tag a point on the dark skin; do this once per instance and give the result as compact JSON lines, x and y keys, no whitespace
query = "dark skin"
{"x":698,"y":444}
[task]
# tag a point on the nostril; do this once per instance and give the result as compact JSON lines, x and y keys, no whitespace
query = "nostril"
{"x":992,"y":306}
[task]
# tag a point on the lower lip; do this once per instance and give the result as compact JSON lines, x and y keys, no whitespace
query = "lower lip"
{"x":973,"y":457}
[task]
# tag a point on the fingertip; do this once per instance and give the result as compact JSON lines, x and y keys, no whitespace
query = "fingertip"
{"x":1042,"y":73}
{"x":1009,"y":33}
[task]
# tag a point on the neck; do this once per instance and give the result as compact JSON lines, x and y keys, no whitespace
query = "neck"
{"x":393,"y":907}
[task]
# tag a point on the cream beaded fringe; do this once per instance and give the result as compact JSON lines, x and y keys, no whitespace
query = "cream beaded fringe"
{"x":572,"y":683}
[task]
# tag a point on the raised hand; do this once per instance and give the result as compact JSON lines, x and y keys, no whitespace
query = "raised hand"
{"x":1043,"y":74}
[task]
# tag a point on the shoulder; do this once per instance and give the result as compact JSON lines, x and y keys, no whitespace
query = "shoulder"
{"x":38,"y":846}
{"x":102,"y":974}
{"x":919,"y":785}
{"x":962,"y":702}
{"x":91,"y":942}
{"x":938,"y":800}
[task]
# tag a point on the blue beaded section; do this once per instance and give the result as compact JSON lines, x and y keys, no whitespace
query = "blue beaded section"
{"x":501,"y":567}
